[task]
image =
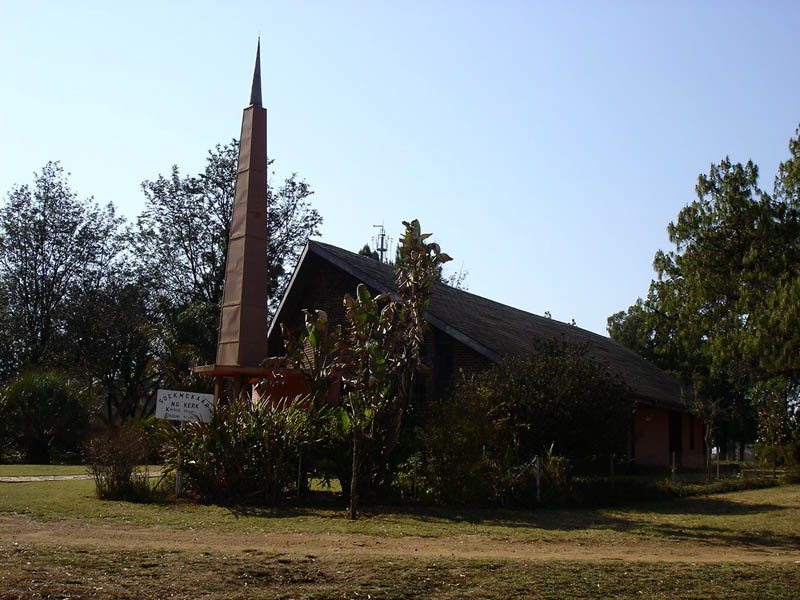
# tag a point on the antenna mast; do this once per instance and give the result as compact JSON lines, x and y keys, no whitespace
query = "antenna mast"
{"x":380,"y":242}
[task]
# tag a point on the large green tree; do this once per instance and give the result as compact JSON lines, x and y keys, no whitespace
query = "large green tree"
{"x":723,"y":313}
{"x":183,"y":232}
{"x":54,"y":248}
{"x":112,"y":348}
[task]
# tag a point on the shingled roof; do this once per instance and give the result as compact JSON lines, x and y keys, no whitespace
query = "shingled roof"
{"x":496,"y":330}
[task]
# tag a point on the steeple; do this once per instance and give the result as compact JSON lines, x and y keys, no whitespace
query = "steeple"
{"x":255,"y":89}
{"x":243,"y":321}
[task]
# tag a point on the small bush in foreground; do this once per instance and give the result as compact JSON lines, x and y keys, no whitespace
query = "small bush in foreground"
{"x":115,"y":457}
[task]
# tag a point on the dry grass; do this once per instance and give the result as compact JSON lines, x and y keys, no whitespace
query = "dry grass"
{"x":771,"y":515}
{"x":59,"y":572}
{"x":747,"y":544}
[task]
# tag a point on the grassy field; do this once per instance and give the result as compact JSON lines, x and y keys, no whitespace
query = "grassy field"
{"x":57,"y":540}
{"x":771,"y":514}
{"x":39,"y":470}
{"x":47,"y":470}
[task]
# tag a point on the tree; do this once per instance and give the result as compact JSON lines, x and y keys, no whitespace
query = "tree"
{"x":43,"y":414}
{"x":382,"y":354}
{"x":181,"y":245}
{"x":112,"y":348}
{"x":722,"y":314}
{"x":457,"y":279}
{"x":183,"y":232}
{"x":557,"y":397}
{"x":774,"y":343}
{"x":9,"y":356}
{"x":53,"y":247}
{"x":369,"y":253}
{"x":377,"y":356}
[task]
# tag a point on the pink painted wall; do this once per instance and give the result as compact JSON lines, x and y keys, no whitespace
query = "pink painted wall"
{"x":692,"y":458}
{"x":651,"y":436}
{"x":652,"y":439}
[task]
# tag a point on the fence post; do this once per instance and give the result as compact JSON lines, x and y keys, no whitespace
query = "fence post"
{"x":178,"y":474}
{"x":673,"y":467}
{"x":299,"y":474}
{"x":538,"y":480}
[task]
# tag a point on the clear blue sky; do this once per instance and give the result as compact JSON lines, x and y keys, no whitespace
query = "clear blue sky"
{"x":546,"y":145}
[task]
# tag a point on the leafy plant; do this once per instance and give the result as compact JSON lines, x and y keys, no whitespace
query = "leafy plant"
{"x":376,"y":358}
{"x":248,"y":453}
{"x":381,"y":355}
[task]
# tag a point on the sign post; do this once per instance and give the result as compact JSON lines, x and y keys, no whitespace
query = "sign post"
{"x":183,"y":406}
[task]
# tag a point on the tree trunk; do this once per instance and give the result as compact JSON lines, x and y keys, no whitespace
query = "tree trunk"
{"x":708,"y":451}
{"x":354,"y":481}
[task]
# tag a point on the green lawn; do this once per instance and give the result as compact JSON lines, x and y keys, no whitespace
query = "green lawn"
{"x":45,"y":470}
{"x":38,"y":470}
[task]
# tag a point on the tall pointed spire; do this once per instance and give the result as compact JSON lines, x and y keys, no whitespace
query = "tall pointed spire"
{"x":255,"y":89}
{"x":243,"y":321}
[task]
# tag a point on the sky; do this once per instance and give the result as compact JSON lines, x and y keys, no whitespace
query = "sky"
{"x":546,"y":145}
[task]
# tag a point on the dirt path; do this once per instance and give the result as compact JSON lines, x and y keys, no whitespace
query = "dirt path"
{"x":17,"y":529}
{"x":35,"y":478}
{"x":42,"y":478}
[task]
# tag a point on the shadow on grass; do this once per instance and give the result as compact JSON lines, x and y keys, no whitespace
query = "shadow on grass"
{"x":319,"y":504}
{"x":650,"y":520}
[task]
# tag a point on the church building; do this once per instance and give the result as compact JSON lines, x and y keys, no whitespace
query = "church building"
{"x":471,"y":333}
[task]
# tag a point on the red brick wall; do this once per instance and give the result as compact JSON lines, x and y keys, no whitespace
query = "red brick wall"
{"x":651,"y":436}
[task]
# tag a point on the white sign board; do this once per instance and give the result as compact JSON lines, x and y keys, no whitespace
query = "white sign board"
{"x":184,"y":406}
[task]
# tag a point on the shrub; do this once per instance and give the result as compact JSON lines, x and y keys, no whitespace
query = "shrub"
{"x":476,"y":446}
{"x":609,"y":491}
{"x":117,"y":459}
{"x":44,"y":416}
{"x":455,"y":463}
{"x":556,"y":480}
{"x":248,"y":452}
{"x":773,"y":455}
{"x":791,"y":474}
